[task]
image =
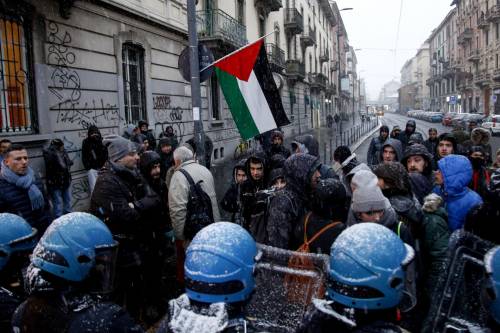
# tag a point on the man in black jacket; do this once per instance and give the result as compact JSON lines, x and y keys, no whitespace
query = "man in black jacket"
{"x":94,"y":154}
{"x":256,"y":171}
{"x":122,"y":201}
{"x":404,"y":136}
{"x":22,"y":193}
{"x":58,"y":177}
{"x":143,"y":127}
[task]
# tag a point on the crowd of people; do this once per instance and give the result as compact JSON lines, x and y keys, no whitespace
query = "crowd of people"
{"x":384,"y":226}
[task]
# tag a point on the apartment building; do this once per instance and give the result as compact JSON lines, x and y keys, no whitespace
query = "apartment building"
{"x":414,"y":94}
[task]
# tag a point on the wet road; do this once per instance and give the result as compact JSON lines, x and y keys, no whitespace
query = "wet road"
{"x":392,"y":119}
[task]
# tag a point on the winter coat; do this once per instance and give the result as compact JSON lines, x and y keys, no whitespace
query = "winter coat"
{"x":250,"y":187}
{"x":8,"y":304}
{"x":324,"y":241}
{"x":396,"y":145}
{"x":209,"y":149}
{"x":480,"y":181}
{"x":231,"y":200}
{"x":323,"y":318}
{"x":308,"y":144}
{"x":459,"y":199}
{"x":404,"y":136}
{"x":49,"y":310}
{"x":288,"y":206}
{"x":167,"y":160}
{"x":435,"y":237}
{"x":277,"y":149}
{"x":431,"y":146}
{"x":15,"y":200}
{"x":178,"y":194}
{"x":374,"y":154}
{"x":94,"y":153}
{"x":479,"y":137}
{"x":421,"y":185}
{"x":57,"y":168}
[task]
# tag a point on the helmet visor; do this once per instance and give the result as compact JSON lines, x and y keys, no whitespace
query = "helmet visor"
{"x":102,"y":275}
{"x":26,"y":242}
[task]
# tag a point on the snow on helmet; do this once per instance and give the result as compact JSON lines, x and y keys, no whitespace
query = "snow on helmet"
{"x":492,"y":265}
{"x":367,"y":263}
{"x":16,"y":235}
{"x":219,"y":264}
{"x":76,"y":247}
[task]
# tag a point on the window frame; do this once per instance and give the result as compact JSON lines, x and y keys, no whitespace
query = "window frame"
{"x":24,"y":20}
{"x":128,"y":113}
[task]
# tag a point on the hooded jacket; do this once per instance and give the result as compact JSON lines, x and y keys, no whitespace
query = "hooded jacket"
{"x":251,"y":186}
{"x":373,"y":156}
{"x":288,"y":206}
{"x":231,"y":200}
{"x":421,"y":150}
{"x":479,"y":137}
{"x":94,"y":153}
{"x":396,"y":145}
{"x":405,"y":135}
{"x":149,"y":135}
{"x":308,"y":144}
{"x":57,"y":166}
{"x":459,"y":199}
{"x":278,"y":149}
{"x":167,"y":160}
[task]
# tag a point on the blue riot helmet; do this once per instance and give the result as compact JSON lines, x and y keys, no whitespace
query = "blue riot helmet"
{"x":16,"y":236}
{"x":367,"y":267}
{"x":78,"y":247}
{"x":219,"y":264}
{"x":492,"y":265}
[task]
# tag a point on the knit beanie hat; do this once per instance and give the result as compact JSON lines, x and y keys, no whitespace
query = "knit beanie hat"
{"x":118,"y":147}
{"x":369,"y":198}
{"x":364,"y":178}
{"x":147,"y":161}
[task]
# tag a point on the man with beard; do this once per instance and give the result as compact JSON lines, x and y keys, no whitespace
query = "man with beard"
{"x":392,"y":151}
{"x":373,"y":156}
{"x":432,"y":141}
{"x":418,"y":163}
{"x":94,"y":154}
{"x":122,"y":201}
{"x":277,"y":146}
{"x":288,"y":206}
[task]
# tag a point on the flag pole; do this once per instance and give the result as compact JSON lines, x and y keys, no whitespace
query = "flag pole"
{"x":241,"y":48}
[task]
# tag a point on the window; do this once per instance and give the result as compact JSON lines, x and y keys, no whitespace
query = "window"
{"x":496,"y":60}
{"x":240,"y":11}
{"x":133,"y":82}
{"x":215,"y":98}
{"x":16,"y":85}
{"x":497,"y":31}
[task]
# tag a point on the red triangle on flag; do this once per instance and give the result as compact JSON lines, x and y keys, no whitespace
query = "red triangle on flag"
{"x":240,"y":64}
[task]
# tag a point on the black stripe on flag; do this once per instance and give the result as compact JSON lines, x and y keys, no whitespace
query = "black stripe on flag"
{"x":264,"y":75}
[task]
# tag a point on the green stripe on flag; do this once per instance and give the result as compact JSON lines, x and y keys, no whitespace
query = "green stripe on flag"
{"x":241,"y":115}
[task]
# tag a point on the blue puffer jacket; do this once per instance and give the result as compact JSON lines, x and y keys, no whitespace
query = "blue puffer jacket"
{"x":459,"y":199}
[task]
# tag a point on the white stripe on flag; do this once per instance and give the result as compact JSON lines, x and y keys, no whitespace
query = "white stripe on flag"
{"x":257,"y":104}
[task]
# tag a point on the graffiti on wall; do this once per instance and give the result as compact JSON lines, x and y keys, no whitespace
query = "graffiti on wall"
{"x":168,"y":115}
{"x":65,"y":85}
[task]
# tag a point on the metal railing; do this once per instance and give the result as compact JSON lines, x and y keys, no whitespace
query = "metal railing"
{"x":275,"y":55}
{"x":215,"y":23}
{"x":293,"y":20}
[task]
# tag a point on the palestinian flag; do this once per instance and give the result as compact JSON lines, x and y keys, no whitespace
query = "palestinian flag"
{"x":250,"y":91}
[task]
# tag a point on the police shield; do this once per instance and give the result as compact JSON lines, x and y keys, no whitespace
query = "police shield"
{"x":286,"y":282}
{"x":457,"y":306}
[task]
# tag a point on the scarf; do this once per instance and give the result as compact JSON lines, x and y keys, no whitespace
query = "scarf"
{"x":26,"y":182}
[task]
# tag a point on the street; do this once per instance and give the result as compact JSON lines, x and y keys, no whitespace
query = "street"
{"x":393,"y":119}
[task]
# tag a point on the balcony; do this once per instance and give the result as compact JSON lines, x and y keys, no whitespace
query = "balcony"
{"x":482,"y":22}
{"x":308,"y":38}
{"x":268,"y":6}
{"x":474,"y":56}
{"x":465,"y":36}
{"x":482,"y":79}
{"x":494,"y":14}
{"x":449,"y":72}
{"x":324,"y":57}
{"x":429,"y":81}
{"x":293,"y":23}
{"x":496,"y":74}
{"x":317,"y":81}
{"x":333,"y":65}
{"x":276,"y":57}
{"x":295,"y":70}
{"x":220,"y":31}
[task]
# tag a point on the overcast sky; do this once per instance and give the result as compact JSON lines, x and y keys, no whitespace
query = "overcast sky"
{"x":372,"y":26}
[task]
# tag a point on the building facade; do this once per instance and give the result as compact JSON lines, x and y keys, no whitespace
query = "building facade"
{"x":71,"y":64}
{"x":414,"y":94}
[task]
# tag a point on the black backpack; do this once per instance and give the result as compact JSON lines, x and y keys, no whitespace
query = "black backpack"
{"x":199,"y":208}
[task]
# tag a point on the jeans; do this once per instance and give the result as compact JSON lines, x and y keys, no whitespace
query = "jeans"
{"x":61,"y":201}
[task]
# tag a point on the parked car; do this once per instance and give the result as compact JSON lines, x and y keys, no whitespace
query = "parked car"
{"x":476,"y":117}
{"x":492,"y":123}
{"x":457,"y":119}
{"x":447,"y":118}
